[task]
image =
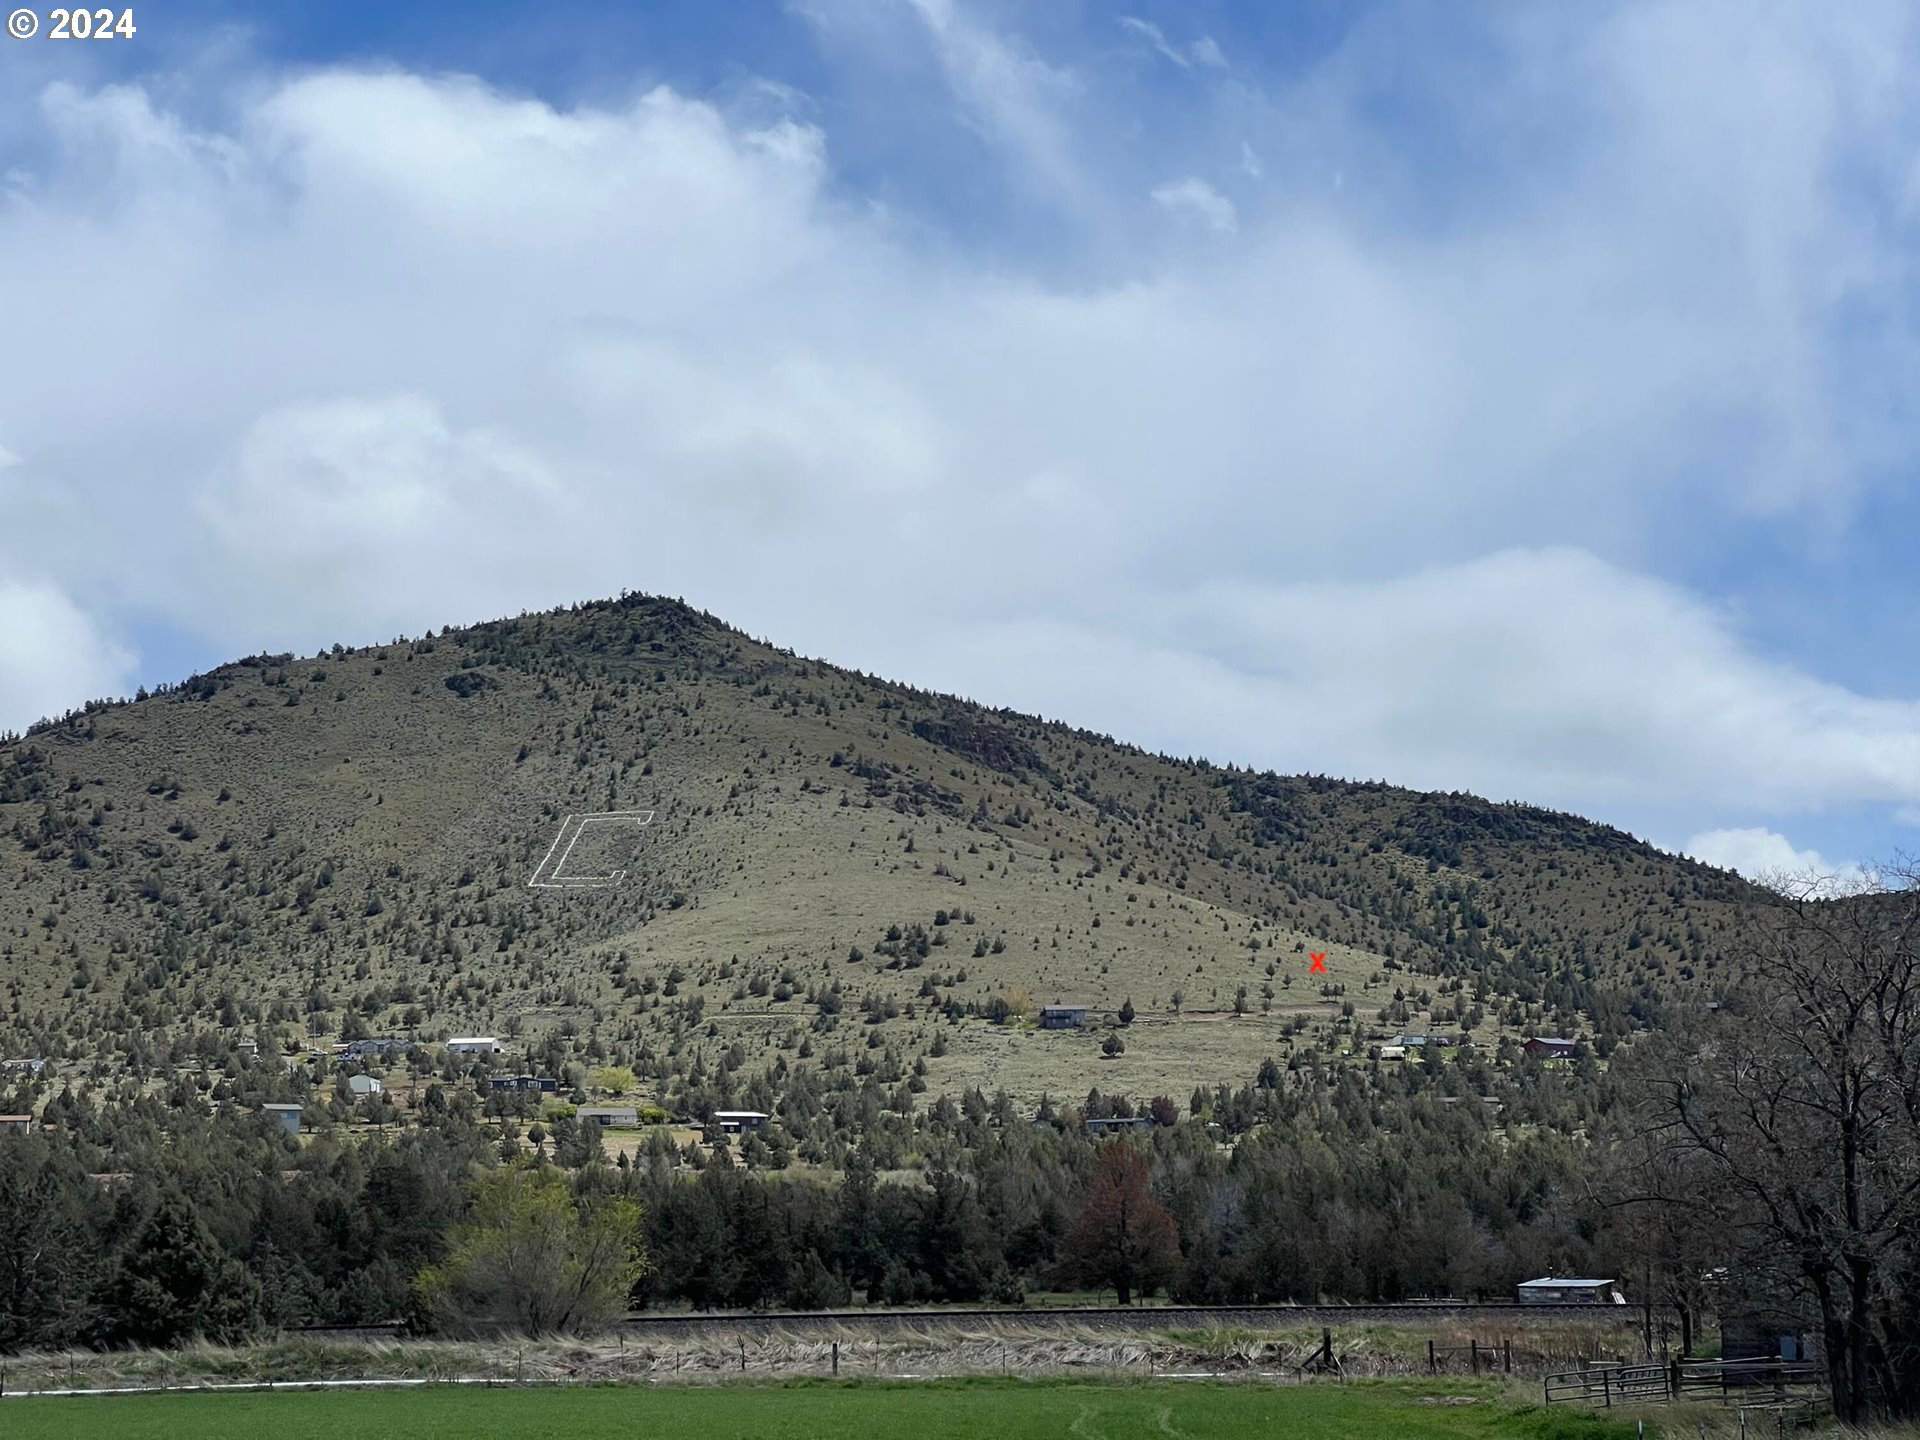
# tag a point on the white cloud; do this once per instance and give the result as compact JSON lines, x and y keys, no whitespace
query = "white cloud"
{"x":1538,"y":675}
{"x":1013,"y":96}
{"x":1763,"y":855}
{"x":1196,"y":201}
{"x":1322,"y":488}
{"x":1154,"y":36}
{"x":52,"y":656}
{"x":1204,"y":51}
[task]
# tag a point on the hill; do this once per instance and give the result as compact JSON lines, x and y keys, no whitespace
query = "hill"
{"x":342,"y":845}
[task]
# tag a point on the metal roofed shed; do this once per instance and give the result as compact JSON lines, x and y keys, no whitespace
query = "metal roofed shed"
{"x":1569,"y":1291}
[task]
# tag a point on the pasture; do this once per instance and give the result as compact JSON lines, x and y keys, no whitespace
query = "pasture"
{"x":946,"y":1410}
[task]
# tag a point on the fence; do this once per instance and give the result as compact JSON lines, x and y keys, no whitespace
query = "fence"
{"x":1726,"y":1380}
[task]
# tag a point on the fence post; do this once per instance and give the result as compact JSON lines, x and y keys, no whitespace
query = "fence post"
{"x":1506,"y":1353}
{"x":1432,"y":1364}
{"x":836,"y":1357}
{"x":743,"y":1357}
{"x":1606,"y":1390}
{"x":1673,"y":1379}
{"x":1473,"y":1352}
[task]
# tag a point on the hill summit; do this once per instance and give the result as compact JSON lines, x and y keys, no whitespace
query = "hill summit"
{"x":351,"y":844}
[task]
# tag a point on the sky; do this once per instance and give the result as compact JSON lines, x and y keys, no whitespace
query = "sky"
{"x":1514,"y":399}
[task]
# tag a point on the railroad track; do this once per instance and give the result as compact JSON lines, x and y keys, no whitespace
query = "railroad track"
{"x":1098,"y":1317}
{"x":1156,"y":1317}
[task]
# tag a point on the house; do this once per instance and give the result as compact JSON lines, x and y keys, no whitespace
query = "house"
{"x":1393,"y":1052}
{"x":377,"y":1046}
{"x":287,"y":1115}
{"x":608,"y":1114}
{"x":735,"y":1121}
{"x":16,"y":1124}
{"x":540,"y":1084}
{"x":32,"y":1067}
{"x":1110,"y":1123}
{"x":1551,"y":1291}
{"x":363,"y":1085}
{"x":1062,"y":1017}
{"x":1550,"y":1047}
{"x":474,"y":1045}
{"x":247,"y":1045}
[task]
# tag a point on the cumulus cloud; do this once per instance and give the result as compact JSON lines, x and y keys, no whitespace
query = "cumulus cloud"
{"x":1764,"y":855}
{"x":52,"y":657}
{"x":1315,"y":482}
{"x":1541,"y":675}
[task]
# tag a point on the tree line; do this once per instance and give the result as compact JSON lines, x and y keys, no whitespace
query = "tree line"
{"x":1758,"y":1157}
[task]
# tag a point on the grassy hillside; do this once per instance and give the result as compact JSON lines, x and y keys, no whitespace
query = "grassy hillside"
{"x":342,"y":844}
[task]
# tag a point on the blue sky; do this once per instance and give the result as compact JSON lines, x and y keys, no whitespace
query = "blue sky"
{"x":1489,"y":398}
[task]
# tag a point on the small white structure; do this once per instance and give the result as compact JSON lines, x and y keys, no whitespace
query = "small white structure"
{"x":1393,"y":1052}
{"x":287,"y":1115}
{"x":474,"y":1045}
{"x":364,"y":1085}
{"x":32,"y":1067}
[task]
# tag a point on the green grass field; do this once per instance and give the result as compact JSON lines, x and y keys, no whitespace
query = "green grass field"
{"x":956,"y":1410}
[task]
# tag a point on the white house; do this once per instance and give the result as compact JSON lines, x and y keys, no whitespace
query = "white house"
{"x":363,"y":1085}
{"x":474,"y":1045}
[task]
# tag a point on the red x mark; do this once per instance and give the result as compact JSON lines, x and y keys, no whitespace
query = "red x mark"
{"x":1319,"y":958}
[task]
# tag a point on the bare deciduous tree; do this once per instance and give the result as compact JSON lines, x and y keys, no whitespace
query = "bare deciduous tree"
{"x":1791,"y":1119}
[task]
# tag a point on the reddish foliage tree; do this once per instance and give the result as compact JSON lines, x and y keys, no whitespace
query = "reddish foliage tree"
{"x":1123,"y":1236}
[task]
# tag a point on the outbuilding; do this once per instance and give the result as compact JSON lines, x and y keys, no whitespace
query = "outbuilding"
{"x":1062,"y":1017}
{"x":363,"y":1085}
{"x":16,"y":1124}
{"x":287,"y":1115}
{"x":733,"y":1122}
{"x":1557,"y":1291}
{"x":1108,"y":1123}
{"x":608,"y":1114}
{"x":474,"y":1045}
{"x":1550,"y":1047}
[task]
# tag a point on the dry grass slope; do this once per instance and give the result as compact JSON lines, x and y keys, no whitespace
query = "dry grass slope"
{"x":343,"y":842}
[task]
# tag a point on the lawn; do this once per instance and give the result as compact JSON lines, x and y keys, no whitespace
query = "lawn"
{"x":947,"y":1410}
